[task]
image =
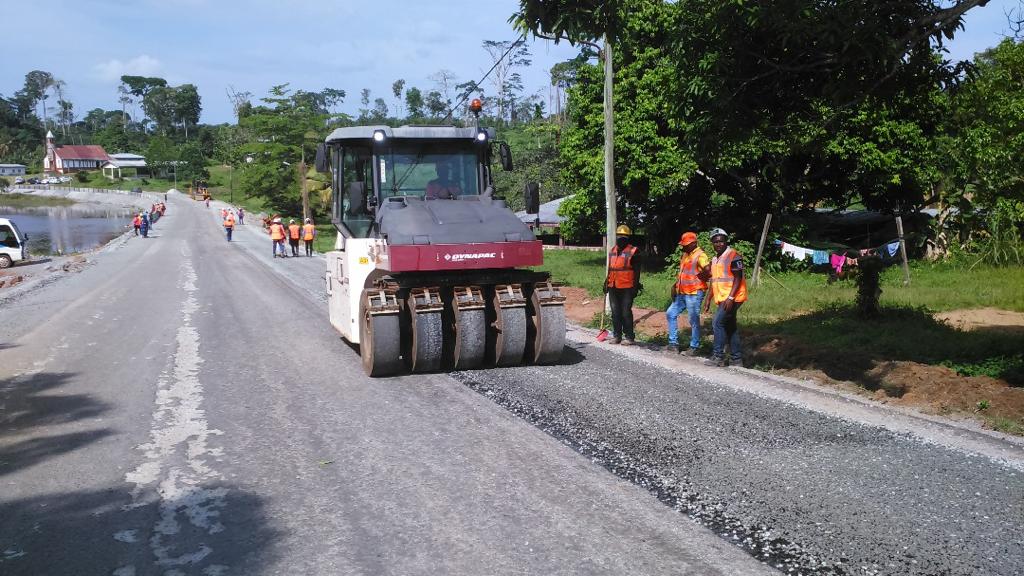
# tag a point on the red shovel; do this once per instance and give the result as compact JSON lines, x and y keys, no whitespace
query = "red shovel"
{"x":603,"y":334}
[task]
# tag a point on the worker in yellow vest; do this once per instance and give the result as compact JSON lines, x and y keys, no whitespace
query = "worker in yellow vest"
{"x":687,"y":294}
{"x":308,"y":234}
{"x":277,"y":236}
{"x":294,"y":233}
{"x":622,"y":285}
{"x":729,"y":291}
{"x":229,"y":224}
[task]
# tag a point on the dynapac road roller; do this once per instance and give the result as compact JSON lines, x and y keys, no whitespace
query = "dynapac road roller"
{"x":427,"y":271}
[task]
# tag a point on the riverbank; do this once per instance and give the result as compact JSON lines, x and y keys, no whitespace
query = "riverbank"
{"x":108,"y":197}
{"x":22,"y":200}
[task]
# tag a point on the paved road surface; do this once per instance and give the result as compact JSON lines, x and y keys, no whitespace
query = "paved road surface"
{"x":183,"y":407}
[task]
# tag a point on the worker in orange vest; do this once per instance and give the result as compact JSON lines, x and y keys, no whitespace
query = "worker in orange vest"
{"x":294,"y":234}
{"x":137,"y":223}
{"x":277,"y":236}
{"x":688,"y":293}
{"x":622,"y":285}
{"x":729,"y":291}
{"x":308,"y":234}
{"x":229,"y":224}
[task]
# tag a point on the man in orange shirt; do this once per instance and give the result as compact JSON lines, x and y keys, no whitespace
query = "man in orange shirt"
{"x":688,"y":294}
{"x":277,"y":236}
{"x":308,"y":234}
{"x":294,"y":234}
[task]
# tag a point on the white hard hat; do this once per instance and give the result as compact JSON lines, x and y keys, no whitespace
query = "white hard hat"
{"x":719,"y":232}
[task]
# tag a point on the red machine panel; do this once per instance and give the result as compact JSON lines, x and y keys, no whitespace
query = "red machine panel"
{"x":408,"y":258}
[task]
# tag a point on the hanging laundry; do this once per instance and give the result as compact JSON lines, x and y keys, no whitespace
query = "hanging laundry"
{"x":797,"y":252}
{"x":893,"y":247}
{"x":819,"y":257}
{"x":837,"y":261}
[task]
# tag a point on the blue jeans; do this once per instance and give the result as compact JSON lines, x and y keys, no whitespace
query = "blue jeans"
{"x":724,"y":326}
{"x":690,"y":303}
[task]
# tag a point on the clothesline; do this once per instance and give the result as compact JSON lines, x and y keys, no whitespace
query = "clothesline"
{"x":835,"y":260}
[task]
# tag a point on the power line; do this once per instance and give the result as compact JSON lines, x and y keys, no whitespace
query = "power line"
{"x":522,"y":38}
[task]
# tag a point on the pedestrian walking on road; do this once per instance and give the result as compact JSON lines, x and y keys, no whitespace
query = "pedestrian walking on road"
{"x":308,"y":234}
{"x":688,"y":294}
{"x":241,"y":216}
{"x":294,"y":234}
{"x":729,"y":289}
{"x":137,"y":223}
{"x":144,"y":225}
{"x":277,"y":236}
{"x":622,"y":285}
{"x":229,"y":224}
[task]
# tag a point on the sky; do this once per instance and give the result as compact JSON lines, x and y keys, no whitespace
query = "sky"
{"x":252,"y":45}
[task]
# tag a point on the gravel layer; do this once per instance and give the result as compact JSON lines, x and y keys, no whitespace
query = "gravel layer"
{"x":803,"y":491}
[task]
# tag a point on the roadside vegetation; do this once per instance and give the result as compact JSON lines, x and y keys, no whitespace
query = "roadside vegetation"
{"x":31,"y":200}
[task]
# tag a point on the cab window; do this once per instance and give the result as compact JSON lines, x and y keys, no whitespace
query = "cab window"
{"x":434,"y":172}
{"x":7,"y":237}
{"x":354,"y":202}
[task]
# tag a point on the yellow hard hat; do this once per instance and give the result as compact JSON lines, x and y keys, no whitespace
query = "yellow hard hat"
{"x":623,"y":230}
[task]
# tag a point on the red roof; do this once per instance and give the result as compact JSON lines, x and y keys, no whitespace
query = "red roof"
{"x":88,"y":152}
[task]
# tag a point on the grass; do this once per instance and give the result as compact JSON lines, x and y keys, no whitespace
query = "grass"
{"x":816,"y":317}
{"x":31,"y":200}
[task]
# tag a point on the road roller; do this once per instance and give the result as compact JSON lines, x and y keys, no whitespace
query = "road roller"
{"x":429,"y":270}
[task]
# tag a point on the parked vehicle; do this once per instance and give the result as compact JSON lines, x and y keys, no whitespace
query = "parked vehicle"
{"x":52,"y":180}
{"x":19,"y":180}
{"x":13,"y":244}
{"x":34,"y":181}
{"x":65,"y":179}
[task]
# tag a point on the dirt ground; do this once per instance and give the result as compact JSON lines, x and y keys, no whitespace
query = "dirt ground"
{"x":931,"y":389}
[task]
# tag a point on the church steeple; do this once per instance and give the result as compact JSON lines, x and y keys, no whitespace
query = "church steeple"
{"x":50,"y":165}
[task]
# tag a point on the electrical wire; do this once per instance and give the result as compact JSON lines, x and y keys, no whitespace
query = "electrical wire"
{"x":522,"y":38}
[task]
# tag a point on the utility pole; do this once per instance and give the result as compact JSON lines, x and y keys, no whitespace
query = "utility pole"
{"x":611,"y":218}
{"x":302,"y":181}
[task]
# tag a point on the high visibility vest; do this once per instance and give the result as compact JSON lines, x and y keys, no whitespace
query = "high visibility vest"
{"x":276,"y":231}
{"x":620,"y":271}
{"x":722,"y":278}
{"x":293,"y":231}
{"x":229,"y":222}
{"x":688,"y":282}
{"x":137,"y":221}
{"x":307,"y":231}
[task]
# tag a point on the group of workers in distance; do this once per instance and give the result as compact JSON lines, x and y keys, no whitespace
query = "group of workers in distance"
{"x":721,"y":275}
{"x":293,"y":233}
{"x":143,"y":221}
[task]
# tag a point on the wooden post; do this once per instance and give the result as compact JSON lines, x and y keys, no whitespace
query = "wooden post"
{"x":760,"y":248}
{"x":611,"y":218}
{"x":903,"y":251}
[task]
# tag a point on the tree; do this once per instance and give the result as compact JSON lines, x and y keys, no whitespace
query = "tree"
{"x":364,"y":100}
{"x":397,"y":88}
{"x":187,"y":106}
{"x":380,"y":110}
{"x":435,"y":104}
{"x":414,"y":102}
{"x":508,"y":56}
{"x":192,"y":163}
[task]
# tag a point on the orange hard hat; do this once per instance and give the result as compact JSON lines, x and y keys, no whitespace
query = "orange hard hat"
{"x":687,"y":238}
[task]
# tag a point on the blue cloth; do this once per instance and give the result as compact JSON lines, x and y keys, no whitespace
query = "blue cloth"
{"x":892,"y":248}
{"x":724,"y":326}
{"x":819,"y":257}
{"x":691,"y":304}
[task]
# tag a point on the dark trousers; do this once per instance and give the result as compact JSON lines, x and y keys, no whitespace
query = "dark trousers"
{"x":621,"y":302}
{"x":726,"y":333}
{"x":309,"y":247}
{"x":294,"y":243}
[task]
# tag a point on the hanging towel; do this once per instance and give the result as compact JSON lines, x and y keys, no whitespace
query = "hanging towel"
{"x":797,"y":252}
{"x":819,"y":257}
{"x":837,"y":261}
{"x":893,"y":247}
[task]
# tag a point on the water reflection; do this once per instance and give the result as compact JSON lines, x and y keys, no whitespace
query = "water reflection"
{"x":64,"y":229}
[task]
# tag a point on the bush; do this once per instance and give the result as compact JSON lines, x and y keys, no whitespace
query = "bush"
{"x":82,"y":177}
{"x":4,"y":183}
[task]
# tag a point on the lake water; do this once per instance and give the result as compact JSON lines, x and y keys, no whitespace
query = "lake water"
{"x":64,"y":229}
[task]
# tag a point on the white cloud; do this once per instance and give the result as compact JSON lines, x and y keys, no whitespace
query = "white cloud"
{"x":143,"y":65}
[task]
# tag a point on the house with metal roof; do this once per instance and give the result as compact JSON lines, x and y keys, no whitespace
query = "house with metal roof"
{"x":120,"y":161}
{"x":12,"y":169}
{"x":65,"y":159}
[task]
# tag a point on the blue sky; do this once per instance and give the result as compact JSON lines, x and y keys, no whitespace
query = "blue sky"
{"x":310,"y":44}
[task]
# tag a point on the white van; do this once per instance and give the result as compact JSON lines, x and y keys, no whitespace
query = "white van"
{"x":13,"y":243}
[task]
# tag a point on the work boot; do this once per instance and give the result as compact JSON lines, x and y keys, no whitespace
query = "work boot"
{"x":670,"y":348}
{"x":688,"y":351}
{"x":715,"y":361}
{"x":628,"y":342}
{"x":617,"y":340}
{"x":736,"y":362}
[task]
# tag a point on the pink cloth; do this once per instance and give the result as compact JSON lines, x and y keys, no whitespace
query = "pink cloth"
{"x":837,"y":261}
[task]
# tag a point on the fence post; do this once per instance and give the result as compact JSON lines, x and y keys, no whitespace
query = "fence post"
{"x":903,"y":251}
{"x":760,"y":248}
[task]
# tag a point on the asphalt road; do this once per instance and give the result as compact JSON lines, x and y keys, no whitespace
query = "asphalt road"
{"x":183,"y":407}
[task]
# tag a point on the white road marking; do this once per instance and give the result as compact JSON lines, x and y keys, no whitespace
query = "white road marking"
{"x":179,"y":434}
